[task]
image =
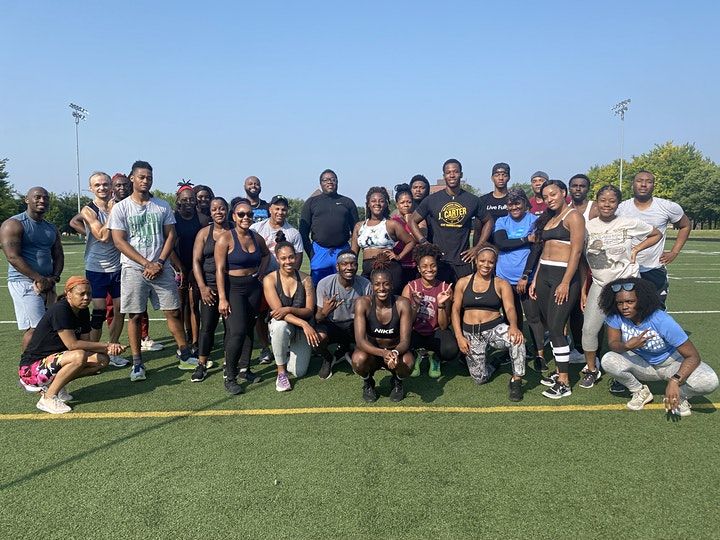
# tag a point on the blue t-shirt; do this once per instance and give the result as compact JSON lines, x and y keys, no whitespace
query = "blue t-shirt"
{"x":664,"y":337}
{"x":511,"y":263}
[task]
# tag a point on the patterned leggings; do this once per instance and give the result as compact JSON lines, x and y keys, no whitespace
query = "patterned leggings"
{"x":496,"y":335}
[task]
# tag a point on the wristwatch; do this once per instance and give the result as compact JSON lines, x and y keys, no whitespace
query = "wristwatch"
{"x":161,"y":261}
{"x":524,"y":276}
{"x":677,"y":378}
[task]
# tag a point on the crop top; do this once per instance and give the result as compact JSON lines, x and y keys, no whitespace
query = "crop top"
{"x":208,"y":257}
{"x":375,"y":236}
{"x":378,"y":330}
{"x":239,"y":259}
{"x":297,"y":299}
{"x":487,"y":300}
{"x":558,"y":232}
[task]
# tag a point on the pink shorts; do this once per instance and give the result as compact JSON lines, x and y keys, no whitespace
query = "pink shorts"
{"x":41,"y":372}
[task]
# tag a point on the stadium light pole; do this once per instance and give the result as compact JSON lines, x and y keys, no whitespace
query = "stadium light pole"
{"x":78,"y":114}
{"x":620,"y":109}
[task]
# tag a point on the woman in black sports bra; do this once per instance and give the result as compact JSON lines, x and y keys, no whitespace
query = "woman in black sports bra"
{"x":204,"y":272}
{"x":241,"y":258}
{"x":477,"y":321}
{"x":291,"y":297}
{"x":556,"y":285}
{"x":383,"y":326}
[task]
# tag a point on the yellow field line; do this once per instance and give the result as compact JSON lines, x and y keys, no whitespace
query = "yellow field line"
{"x":333,"y":410}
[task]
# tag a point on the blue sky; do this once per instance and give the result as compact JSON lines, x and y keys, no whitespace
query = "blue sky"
{"x":378,"y":91}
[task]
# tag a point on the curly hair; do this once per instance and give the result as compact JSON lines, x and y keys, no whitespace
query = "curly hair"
{"x":382,"y":191}
{"x":381,"y":265}
{"x":426,"y":250}
{"x":648,"y":299}
{"x":400,"y":189}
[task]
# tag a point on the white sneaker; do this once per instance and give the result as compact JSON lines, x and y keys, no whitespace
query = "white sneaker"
{"x":53,"y":405}
{"x":640,"y":398}
{"x":118,"y":361}
{"x":137,"y":373}
{"x":29,"y":387}
{"x":64,"y":395}
{"x":148,"y":344}
{"x":684,"y":408}
{"x":576,"y":357}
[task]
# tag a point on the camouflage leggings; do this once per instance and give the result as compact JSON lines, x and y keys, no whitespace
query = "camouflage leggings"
{"x":496,"y":337}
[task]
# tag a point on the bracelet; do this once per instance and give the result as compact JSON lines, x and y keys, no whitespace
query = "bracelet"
{"x":161,"y":261}
{"x":395,"y":352}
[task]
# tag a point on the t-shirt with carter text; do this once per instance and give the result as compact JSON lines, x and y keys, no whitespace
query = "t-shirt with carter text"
{"x":268,"y":232}
{"x":449,"y":218}
{"x":144,"y":225}
{"x":659,"y":214}
{"x":330,"y":286}
{"x":664,"y":336}
{"x":46,"y":340}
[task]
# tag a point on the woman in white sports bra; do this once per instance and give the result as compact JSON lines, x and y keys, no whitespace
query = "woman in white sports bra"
{"x":379,"y":234}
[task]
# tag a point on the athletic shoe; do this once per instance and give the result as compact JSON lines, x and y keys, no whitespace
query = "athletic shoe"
{"x":434,"y":371}
{"x":186,"y":361}
{"x":194,"y":350}
{"x":539,"y":364}
{"x":398,"y":392}
{"x":326,"y":369}
{"x":118,"y":361}
{"x":282,"y":383}
{"x":64,"y":395}
{"x":53,"y":405}
{"x":515,"y":390}
{"x":233,"y":387}
{"x":617,"y":387}
{"x":640,"y":398}
{"x":419,"y":357}
{"x":684,"y":408}
{"x":576,"y":357}
{"x":266,"y":356}
{"x":590,"y":378}
{"x":558,"y":391}
{"x":370,"y":395}
{"x":149,"y":345}
{"x":249,"y":377}
{"x":29,"y":387}
{"x":549,"y":380}
{"x":199,"y":374}
{"x":137,"y":373}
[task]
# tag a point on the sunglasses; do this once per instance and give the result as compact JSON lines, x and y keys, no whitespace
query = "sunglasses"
{"x":241,"y":215}
{"x":617,"y":287}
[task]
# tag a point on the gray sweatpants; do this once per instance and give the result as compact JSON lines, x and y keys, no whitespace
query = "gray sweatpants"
{"x":633,"y":371}
{"x":290,"y":347}
{"x":593,"y":319}
{"x":496,"y":337}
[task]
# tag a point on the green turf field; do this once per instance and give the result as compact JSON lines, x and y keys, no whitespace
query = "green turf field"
{"x":453,"y":460}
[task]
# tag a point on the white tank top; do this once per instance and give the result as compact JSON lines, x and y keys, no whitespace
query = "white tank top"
{"x":375,"y":236}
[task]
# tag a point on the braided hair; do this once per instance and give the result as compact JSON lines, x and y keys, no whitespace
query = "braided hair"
{"x":382,"y":191}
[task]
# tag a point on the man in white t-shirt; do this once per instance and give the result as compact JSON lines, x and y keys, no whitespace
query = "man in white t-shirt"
{"x":659,"y":213}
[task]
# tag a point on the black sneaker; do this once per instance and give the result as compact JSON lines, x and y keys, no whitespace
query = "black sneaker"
{"x":249,"y":377}
{"x":233,"y":387}
{"x":266,"y":356}
{"x":199,"y":374}
{"x":370,"y":395}
{"x":398,"y":392}
{"x":590,"y":378}
{"x":550,"y":379}
{"x":515,"y":392}
{"x":539,"y":364}
{"x":326,"y":369}
{"x":558,"y":391}
{"x":617,"y":387}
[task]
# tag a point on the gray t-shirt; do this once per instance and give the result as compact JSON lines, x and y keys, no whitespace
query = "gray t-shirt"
{"x":659,"y":214}
{"x":292,"y":235}
{"x":143,"y":224}
{"x":329,"y":286}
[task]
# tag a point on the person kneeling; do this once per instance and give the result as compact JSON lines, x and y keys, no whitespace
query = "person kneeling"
{"x":383,"y":323}
{"x":60,"y":351}
{"x":646,"y":344}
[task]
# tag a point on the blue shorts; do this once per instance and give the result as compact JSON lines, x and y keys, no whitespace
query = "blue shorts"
{"x":29,"y":305}
{"x":323,"y":261}
{"x":104,"y":283}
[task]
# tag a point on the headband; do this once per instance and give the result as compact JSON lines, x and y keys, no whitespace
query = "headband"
{"x":347,"y":257}
{"x":74,"y":281}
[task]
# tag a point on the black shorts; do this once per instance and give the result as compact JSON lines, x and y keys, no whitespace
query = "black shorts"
{"x":337,"y":332}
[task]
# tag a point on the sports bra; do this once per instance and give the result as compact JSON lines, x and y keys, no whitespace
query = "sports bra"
{"x":558,"y":232}
{"x":297,"y":299}
{"x":487,"y":300}
{"x":378,"y":330}
{"x":239,"y":259}
{"x":375,"y":236}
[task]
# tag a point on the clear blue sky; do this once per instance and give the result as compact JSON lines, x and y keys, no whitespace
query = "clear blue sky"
{"x":378,"y":91}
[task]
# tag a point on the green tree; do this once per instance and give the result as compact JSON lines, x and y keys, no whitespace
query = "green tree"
{"x":62,"y":209}
{"x":166,"y":196}
{"x":9,"y":200}
{"x":525,"y":186}
{"x":699,"y":195}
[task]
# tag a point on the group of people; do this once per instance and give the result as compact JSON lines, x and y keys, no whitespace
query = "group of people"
{"x":425,"y":293}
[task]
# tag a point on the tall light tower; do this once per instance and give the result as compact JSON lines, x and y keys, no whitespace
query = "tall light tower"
{"x":78,"y":114}
{"x":620,"y":109}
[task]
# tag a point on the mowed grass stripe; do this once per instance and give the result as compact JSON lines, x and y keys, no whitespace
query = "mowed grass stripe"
{"x":335,"y":410}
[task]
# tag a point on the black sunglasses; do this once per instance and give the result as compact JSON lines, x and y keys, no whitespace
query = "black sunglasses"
{"x":622,"y":286}
{"x":241,"y":215}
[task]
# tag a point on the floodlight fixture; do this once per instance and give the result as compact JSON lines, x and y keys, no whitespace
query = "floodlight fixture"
{"x":78,"y":114}
{"x":619,"y":109}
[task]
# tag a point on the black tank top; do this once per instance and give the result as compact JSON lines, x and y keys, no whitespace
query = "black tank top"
{"x":378,"y":330}
{"x":208,"y":257}
{"x":488,"y":300}
{"x":558,"y":232}
{"x":187,"y":230}
{"x":241,"y":259}
{"x":297,"y":299}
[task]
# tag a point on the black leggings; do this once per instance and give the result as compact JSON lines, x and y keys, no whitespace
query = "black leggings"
{"x":209,"y":317}
{"x":244,"y":297}
{"x":396,"y":274}
{"x":529,"y":307}
{"x":556,"y":316}
{"x":441,"y":342}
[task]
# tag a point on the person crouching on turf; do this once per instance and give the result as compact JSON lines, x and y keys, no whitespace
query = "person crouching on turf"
{"x":477,"y":321}
{"x":383,"y":325}
{"x":60,"y":349}
{"x":661,"y":350}
{"x":291,"y":297}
